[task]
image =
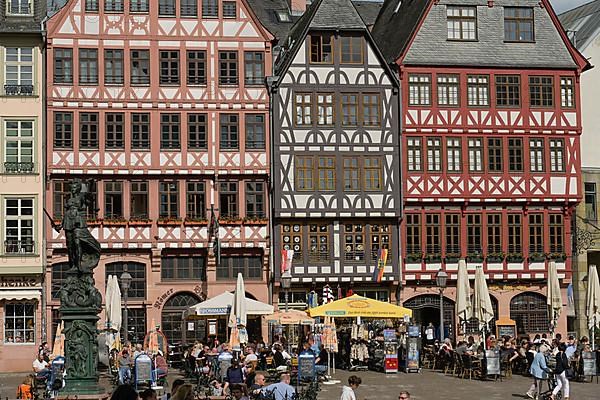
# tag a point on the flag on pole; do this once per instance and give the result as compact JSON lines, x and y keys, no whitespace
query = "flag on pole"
{"x":287,"y":256}
{"x":213,"y":233}
{"x":382,"y":255}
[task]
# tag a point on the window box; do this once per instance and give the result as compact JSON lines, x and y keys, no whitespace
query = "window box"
{"x":414,"y":257}
{"x":537,"y":257}
{"x":451,"y":258}
{"x":230,"y":220}
{"x":195,"y":221}
{"x":433,"y":257}
{"x":92,"y":221}
{"x":495,"y":257}
{"x":474,"y":257}
{"x":557,"y":256}
{"x":162,"y":221}
{"x":514,"y":257}
{"x":137,"y":221}
{"x":256,"y":221}
{"x":115,"y":221}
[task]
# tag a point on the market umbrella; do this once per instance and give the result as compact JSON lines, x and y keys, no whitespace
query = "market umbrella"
{"x":463,"y":293}
{"x":290,"y":317}
{"x":553,"y":295}
{"x":58,"y":349}
{"x":482,"y":303}
{"x":593,"y":302}
{"x":238,"y":313}
{"x":358,"y":306}
{"x":108,"y":299}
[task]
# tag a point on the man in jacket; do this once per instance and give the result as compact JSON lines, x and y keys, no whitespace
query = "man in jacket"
{"x":539,"y":370}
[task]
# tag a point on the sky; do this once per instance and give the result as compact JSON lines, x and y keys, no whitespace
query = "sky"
{"x":564,"y":5}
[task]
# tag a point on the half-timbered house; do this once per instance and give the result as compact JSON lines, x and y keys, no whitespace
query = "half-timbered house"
{"x":336,"y":163}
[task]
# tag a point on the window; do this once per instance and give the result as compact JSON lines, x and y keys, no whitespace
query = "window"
{"x":229,"y":9}
{"x":196,"y":70}
{"x":136,"y":324}
{"x":210,"y":8}
{"x":555,"y":233}
{"x":373,"y":172}
{"x":63,"y":65}
{"x":188,"y":8}
{"x":414,"y":154}
{"x":419,"y":90}
{"x":140,"y":6}
{"x":541,"y":91}
{"x":113,"y":200}
{"x":291,"y":237}
{"x":229,"y":131}
{"x":169,"y":195}
{"x":515,"y":154}
{"x":326,"y":173}
{"x":434,"y":154}
{"x":325,"y":109}
{"x":113,"y":5}
{"x":352,"y":49}
{"x":183,"y":268}
{"x":413,"y":236}
{"x":351,"y":174}
{"x":518,"y":24}
{"x":18,"y":71}
{"x":494,"y":234}
{"x":530,"y":312}
{"x":88,"y":66}
{"x":474,"y":233}
{"x":18,"y":234}
{"x":60,"y":193}
{"x":88,"y":131}
{"x":166,"y":7}
{"x":349,"y":109}
{"x":140,"y":131}
{"x":139,"y":200}
{"x":18,"y":146}
{"x":354,"y":242}
{"x":197,"y":131}
{"x":432,"y":235}
{"x":475,"y":154}
{"x":495,"y":155}
{"x":508,"y":90}
{"x":140,"y":67}
{"x":169,"y":131}
{"x":536,"y":234}
{"x":255,"y":131}
{"x":536,"y":155}
{"x":304,"y":173}
{"x":303,"y":108}
{"x":19,"y":322}
{"x":370,"y":107}
{"x":380,"y":239}
{"x":249,"y":266}
{"x":115,"y":126}
{"x":196,"y":201}
{"x":169,"y":67}
{"x":318,"y":242}
{"x":254,"y":67}
{"x":590,"y":201}
{"x":478,"y":89}
{"x":91,"y":5}
{"x":515,"y":233}
{"x":453,"y":152}
{"x":321,"y":48}
{"x":228,"y":68}
{"x":453,"y":235}
{"x":448,"y":90}
{"x":567,"y":92}
{"x":59,"y":277}
{"x":19,"y":7}
{"x":113,"y":67}
{"x":228,"y":200}
{"x":462,"y":23}
{"x":255,"y":199}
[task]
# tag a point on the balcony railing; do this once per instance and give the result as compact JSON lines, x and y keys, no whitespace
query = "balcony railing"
{"x":18,"y":7}
{"x":19,"y":246}
{"x":18,"y":90}
{"x":13,"y":167}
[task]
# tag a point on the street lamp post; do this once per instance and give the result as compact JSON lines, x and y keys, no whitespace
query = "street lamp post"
{"x":125,"y":284}
{"x":441,"y":278}
{"x":286,"y":283}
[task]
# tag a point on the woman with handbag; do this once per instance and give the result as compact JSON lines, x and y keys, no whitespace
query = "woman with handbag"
{"x":562,"y":365}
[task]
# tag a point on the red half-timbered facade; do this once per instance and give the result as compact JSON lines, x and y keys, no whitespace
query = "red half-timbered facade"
{"x":163,"y":106}
{"x":491,"y":154}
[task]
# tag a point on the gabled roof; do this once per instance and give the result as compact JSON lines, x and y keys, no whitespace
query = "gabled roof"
{"x":270,"y":13}
{"x":23,"y":24}
{"x":54,"y":6}
{"x":582,"y":23}
{"x":368,"y":10}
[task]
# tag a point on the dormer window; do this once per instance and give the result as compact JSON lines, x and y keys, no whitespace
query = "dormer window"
{"x":321,"y":48}
{"x":462,"y":23}
{"x":518,"y":24}
{"x":19,"y":7}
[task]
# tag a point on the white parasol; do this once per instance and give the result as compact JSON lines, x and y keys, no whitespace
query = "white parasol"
{"x":593,"y":302}
{"x":553,"y":295}
{"x":463,"y":293}
{"x":482,"y":303}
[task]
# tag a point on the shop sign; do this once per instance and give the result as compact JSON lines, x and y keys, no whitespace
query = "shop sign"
{"x":159,"y":302}
{"x":20,"y":281}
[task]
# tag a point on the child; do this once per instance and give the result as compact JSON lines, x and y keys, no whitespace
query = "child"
{"x":24,"y":389}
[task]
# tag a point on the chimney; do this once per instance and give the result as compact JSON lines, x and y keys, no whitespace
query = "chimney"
{"x":297,"y":7}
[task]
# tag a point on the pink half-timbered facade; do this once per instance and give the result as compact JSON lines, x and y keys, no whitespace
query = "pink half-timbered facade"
{"x":163,"y":106}
{"x":491,"y":153}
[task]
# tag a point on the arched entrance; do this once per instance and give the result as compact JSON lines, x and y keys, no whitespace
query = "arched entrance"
{"x":172,"y":324}
{"x":530,"y":312}
{"x":426,"y":309}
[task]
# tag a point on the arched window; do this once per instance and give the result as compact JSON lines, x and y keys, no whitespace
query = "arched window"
{"x":173,"y":325}
{"x":426,"y":309}
{"x":59,"y":276}
{"x":530,"y":312}
{"x":137,"y":289}
{"x":473,"y":324}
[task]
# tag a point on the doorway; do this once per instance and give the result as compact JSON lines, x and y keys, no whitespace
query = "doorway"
{"x":426,"y":309}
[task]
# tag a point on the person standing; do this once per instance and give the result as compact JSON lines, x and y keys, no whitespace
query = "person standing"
{"x":539,"y":370}
{"x":562,"y":364}
{"x":429,"y":334}
{"x":348,"y":391}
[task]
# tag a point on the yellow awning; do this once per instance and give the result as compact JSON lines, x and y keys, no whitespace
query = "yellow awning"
{"x":20,"y":294}
{"x":291,"y":317}
{"x":357,"y":306}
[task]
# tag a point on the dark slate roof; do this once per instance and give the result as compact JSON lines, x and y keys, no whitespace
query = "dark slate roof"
{"x":395,"y":25}
{"x":368,"y":10}
{"x":53,"y":6}
{"x":336,"y":14}
{"x":23,"y":24}
{"x":267,"y":12}
{"x":582,"y":23}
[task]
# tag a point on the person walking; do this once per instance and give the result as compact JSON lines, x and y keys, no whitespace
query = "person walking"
{"x":562,"y":364}
{"x":348,"y":391}
{"x":539,"y":370}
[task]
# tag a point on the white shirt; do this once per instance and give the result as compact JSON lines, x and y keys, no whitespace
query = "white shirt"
{"x":429,"y":333}
{"x":286,"y":355}
{"x":39,"y":365}
{"x":347,"y":393}
{"x":251,"y":358}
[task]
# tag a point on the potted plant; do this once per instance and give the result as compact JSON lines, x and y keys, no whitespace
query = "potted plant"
{"x":255,"y":220}
{"x":169,"y":221}
{"x":514,"y":257}
{"x":433,"y":257}
{"x":414,"y":257}
{"x":557,"y":256}
{"x":195,"y":221}
{"x":115,"y":221}
{"x":495,"y":257}
{"x":451,"y":258}
{"x":230,"y":220}
{"x":537,"y":257}
{"x":474,"y":257}
{"x":93,"y":221}
{"x":137,"y":221}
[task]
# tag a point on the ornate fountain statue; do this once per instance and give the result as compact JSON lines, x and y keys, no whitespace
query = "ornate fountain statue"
{"x":80,"y":301}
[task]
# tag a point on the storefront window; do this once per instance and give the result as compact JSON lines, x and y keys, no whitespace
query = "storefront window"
{"x":19,"y":322}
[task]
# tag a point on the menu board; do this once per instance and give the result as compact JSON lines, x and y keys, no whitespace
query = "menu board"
{"x":493,"y":362}
{"x":589,"y":363}
{"x":507,"y":330}
{"x":306,"y":367}
{"x":143,"y":368}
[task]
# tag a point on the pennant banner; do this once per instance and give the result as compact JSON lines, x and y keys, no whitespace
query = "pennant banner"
{"x":382,"y":255}
{"x":286,"y":260}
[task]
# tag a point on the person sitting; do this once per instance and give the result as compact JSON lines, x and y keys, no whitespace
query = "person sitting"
{"x":160,"y":367}
{"x":234,"y":375}
{"x":138,"y":350}
{"x":251,"y":358}
{"x":306,"y":349}
{"x":149,"y":394}
{"x":40,"y":367}
{"x":24,"y":390}
{"x":259,"y":383}
{"x":238,"y":392}
{"x":124,"y":392}
{"x":280,"y":391}
{"x":322,"y":361}
{"x":125,"y":363}
{"x":216,"y":389}
{"x":278,"y":357}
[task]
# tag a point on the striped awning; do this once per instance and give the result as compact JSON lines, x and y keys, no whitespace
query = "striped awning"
{"x":20,"y":294}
